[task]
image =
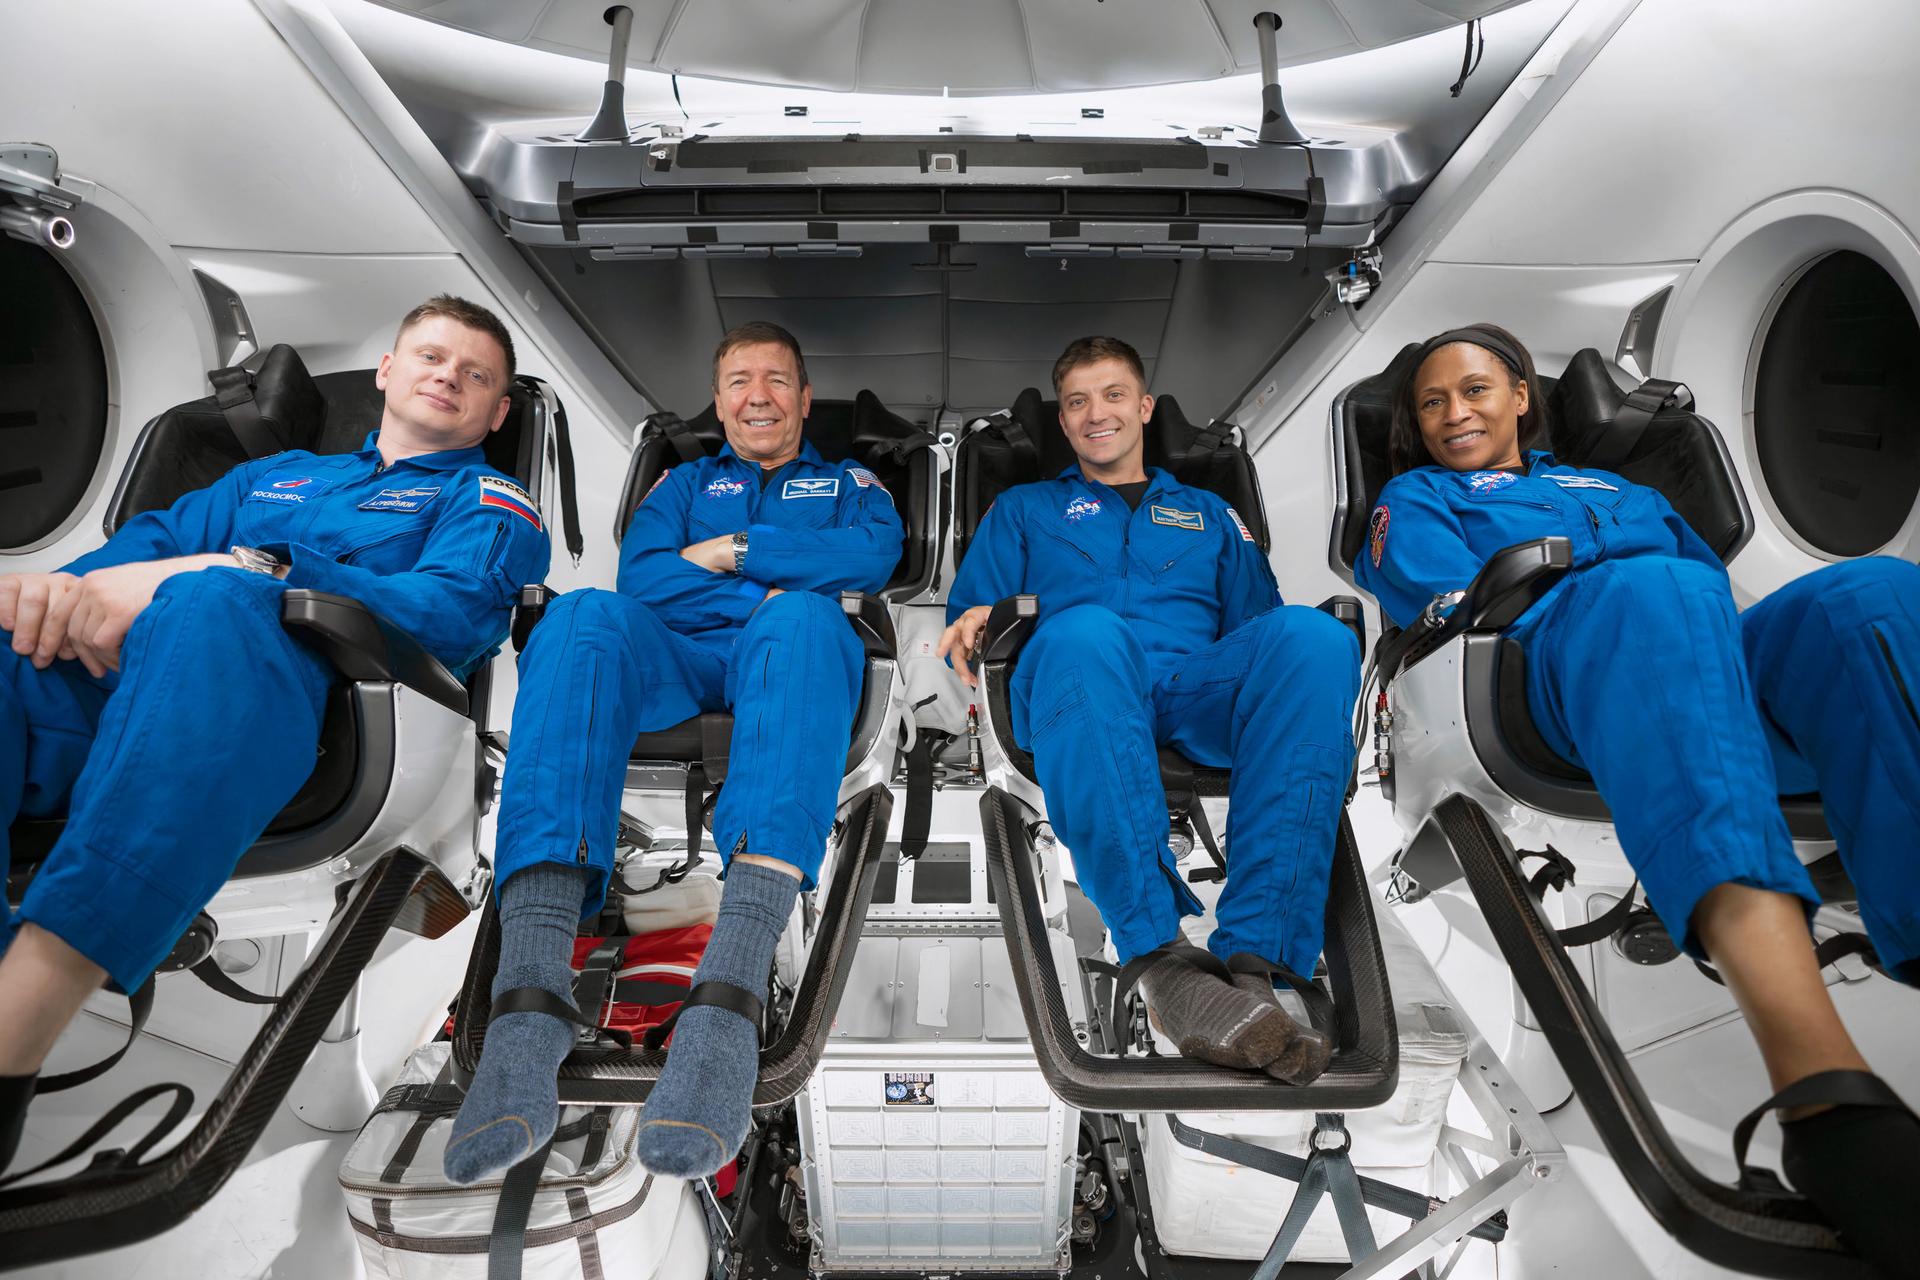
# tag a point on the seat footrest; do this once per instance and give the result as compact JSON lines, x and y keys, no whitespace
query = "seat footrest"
{"x":1365,"y":1065}
{"x":601,"y":1075}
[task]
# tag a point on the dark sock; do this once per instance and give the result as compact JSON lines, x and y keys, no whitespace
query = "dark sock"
{"x":1209,"y":1018}
{"x":698,"y":1114}
{"x":513,"y":1104}
{"x":1861,"y":1167}
{"x":16,"y":1093}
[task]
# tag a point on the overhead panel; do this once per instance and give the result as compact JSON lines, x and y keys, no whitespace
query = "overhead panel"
{"x":958,"y":47}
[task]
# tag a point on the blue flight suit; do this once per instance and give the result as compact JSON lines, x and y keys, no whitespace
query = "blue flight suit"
{"x":1691,"y":717}
{"x":1164,"y":625}
{"x":171,"y":767}
{"x":677,"y":639}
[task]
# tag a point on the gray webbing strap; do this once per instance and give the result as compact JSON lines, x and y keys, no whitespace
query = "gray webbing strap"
{"x":588,"y":1240}
{"x":508,"y":1239}
{"x":1329,"y":1172}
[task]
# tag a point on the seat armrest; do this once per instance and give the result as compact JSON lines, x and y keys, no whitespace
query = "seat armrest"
{"x":1008,"y":625}
{"x":527,"y":612}
{"x":1347,"y":609}
{"x":871,"y":621}
{"x":363,"y":646}
{"x":1513,"y":581}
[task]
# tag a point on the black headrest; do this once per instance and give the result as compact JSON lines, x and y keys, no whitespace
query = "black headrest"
{"x":861,"y":430}
{"x":1026,"y":444}
{"x":1678,"y":452}
{"x":192,"y":445}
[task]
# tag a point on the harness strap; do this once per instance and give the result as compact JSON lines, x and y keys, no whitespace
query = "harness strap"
{"x":233,"y":391}
{"x":917,"y":821}
{"x":508,"y":1239}
{"x":1018,"y":439}
{"x":214,"y":976}
{"x":1132,"y":971}
{"x":720,"y":995}
{"x":679,"y":435}
{"x":139,"y":1007}
{"x":1557,"y":874}
{"x":1630,"y":422}
{"x":1838,"y":947}
{"x":1840,"y":1088}
{"x":1319,"y":1004}
{"x":108,"y":1161}
{"x":597,"y":976}
{"x":569,"y":498}
{"x":539,"y":1000}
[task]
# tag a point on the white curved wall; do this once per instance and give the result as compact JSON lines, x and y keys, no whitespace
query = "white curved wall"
{"x":1717,"y":145}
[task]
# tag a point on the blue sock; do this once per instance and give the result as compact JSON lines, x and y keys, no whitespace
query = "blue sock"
{"x":698,"y":1114}
{"x":513,"y":1103}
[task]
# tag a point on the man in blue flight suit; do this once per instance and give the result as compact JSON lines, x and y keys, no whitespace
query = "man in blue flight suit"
{"x":1161,"y":623}
{"x":729,"y":577}
{"x":151,"y":694}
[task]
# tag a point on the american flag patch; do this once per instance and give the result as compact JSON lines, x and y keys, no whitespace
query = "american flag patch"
{"x":498,"y":491}
{"x":658,"y":481}
{"x":1241,"y":525}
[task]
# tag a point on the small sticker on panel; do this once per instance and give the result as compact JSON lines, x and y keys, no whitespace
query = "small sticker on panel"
{"x":909,"y":1089}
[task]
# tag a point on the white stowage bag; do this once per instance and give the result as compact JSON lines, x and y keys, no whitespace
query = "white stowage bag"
{"x":596,"y":1213}
{"x":935,"y":698}
{"x":1206,"y":1207}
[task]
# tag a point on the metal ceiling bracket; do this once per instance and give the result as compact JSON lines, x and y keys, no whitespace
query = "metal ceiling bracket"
{"x":33,"y":203}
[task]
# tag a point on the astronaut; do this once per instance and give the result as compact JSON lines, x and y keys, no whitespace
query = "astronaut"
{"x":727,"y":598}
{"x":1692,"y":719}
{"x":1161,"y":623}
{"x":151,"y":695}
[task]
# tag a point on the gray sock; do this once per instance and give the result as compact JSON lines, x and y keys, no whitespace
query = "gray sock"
{"x":698,"y":1114}
{"x":513,"y":1104}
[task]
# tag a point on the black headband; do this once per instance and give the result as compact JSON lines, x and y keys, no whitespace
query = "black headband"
{"x":1473,"y":334}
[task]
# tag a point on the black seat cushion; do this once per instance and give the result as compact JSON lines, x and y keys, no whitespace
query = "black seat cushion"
{"x":860,"y":430}
{"x":1679,"y":453}
{"x":992,"y":460}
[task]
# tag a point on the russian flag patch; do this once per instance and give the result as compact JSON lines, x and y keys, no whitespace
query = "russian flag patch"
{"x":498,"y":491}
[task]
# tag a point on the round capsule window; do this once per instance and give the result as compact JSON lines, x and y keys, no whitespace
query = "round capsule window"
{"x":53,"y":394}
{"x":1837,"y":406}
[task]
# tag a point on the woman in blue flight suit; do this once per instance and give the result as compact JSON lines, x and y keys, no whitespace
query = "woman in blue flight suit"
{"x":1644,"y":632}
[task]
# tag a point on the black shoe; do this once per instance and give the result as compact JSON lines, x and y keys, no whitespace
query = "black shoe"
{"x":16,"y":1092}
{"x":1858,"y":1162}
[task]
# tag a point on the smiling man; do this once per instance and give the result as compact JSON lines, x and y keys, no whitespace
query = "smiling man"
{"x":727,"y":598}
{"x":152,"y":697}
{"x":1161,"y":623}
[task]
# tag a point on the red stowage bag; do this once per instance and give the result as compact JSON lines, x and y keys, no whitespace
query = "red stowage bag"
{"x":649,"y":965}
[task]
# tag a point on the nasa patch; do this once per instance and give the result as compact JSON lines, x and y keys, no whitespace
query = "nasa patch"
{"x":725,"y":488}
{"x":1377,"y":534}
{"x":1490,"y":481}
{"x":1583,"y":482}
{"x":400,"y":499}
{"x":1081,"y":508}
{"x":824,"y":488}
{"x":1174,"y":518}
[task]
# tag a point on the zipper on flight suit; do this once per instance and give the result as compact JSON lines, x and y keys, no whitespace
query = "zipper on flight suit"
{"x":1899,"y":681}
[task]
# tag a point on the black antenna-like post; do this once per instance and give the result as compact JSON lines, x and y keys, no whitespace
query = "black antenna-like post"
{"x":610,"y":122}
{"x":1274,"y":125}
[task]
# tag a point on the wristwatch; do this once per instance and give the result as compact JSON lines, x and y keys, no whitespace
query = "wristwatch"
{"x":256,"y":560}
{"x":740,"y":552}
